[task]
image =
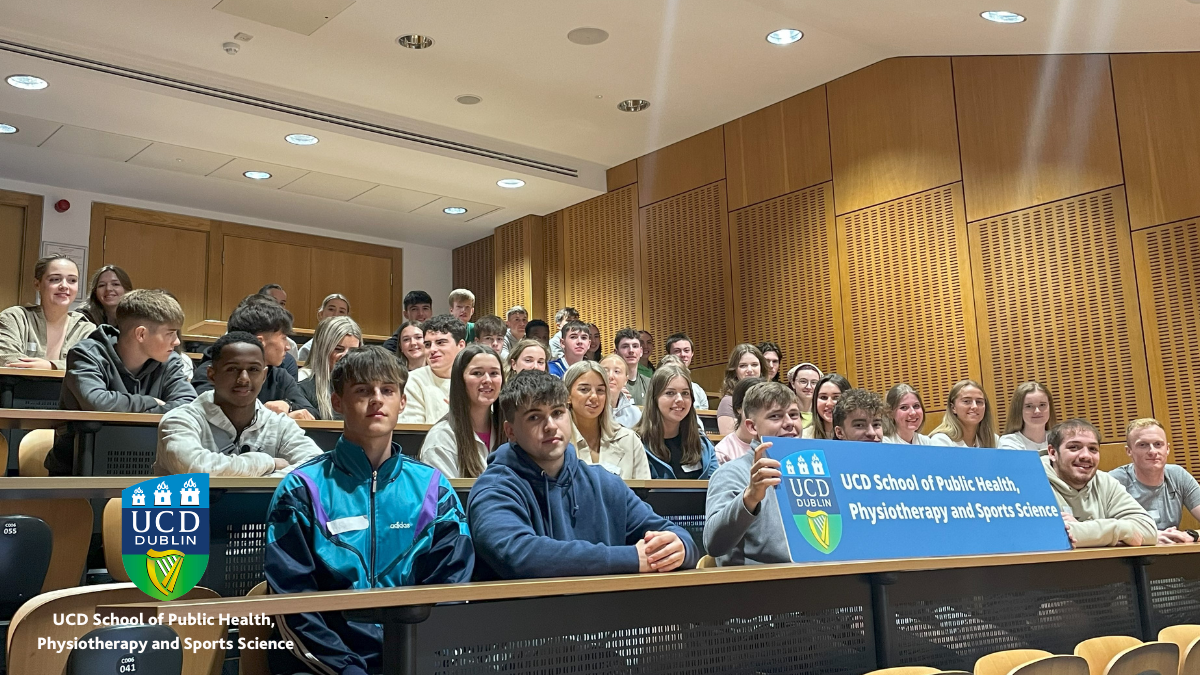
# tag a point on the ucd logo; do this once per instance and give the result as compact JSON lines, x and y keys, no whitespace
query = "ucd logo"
{"x":164,"y":544}
{"x":811,"y":499}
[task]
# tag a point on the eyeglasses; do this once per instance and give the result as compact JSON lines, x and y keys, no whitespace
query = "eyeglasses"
{"x":806,"y":383}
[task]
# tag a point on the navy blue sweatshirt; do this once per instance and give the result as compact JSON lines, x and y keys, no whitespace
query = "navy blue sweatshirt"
{"x":584,"y":522}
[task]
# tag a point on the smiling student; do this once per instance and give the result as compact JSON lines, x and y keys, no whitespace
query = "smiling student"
{"x":905,"y":417}
{"x":428,"y":388}
{"x":803,"y":379}
{"x":680,"y":346}
{"x":1164,"y":490}
{"x":39,"y":336}
{"x":828,"y":390}
{"x":967,"y":422}
{"x":411,"y":349}
{"x":418,"y":308}
{"x":675,"y":445}
{"x":528,"y":354}
{"x":109,"y":284}
{"x":1030,"y":415}
{"x":858,"y":416}
{"x":744,"y":361}
{"x":575,"y":340}
{"x":335,"y":304}
{"x":597,"y":438}
{"x":459,"y":444}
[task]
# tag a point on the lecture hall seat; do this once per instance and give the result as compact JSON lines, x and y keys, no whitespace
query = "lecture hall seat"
{"x":706,"y":562}
{"x":1059,"y":664}
{"x":1187,"y":636}
{"x":111,"y":533}
{"x":70,"y":522}
{"x":156,"y":661}
{"x":32,"y":452}
{"x":1148,"y":658}
{"x":905,"y":670}
{"x":1000,"y":663}
{"x":1098,"y":651}
{"x":254,"y":661}
{"x":25,"y":549}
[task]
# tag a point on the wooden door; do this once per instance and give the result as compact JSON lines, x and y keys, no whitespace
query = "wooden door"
{"x":12,"y":232}
{"x":250,"y":264}
{"x":366,"y":280}
{"x":160,"y":256}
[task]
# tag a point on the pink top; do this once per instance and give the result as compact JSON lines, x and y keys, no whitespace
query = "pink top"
{"x":730,"y":448}
{"x":486,"y":438}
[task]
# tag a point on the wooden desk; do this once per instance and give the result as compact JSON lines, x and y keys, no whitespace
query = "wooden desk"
{"x":709,"y":419}
{"x":30,"y":388}
{"x":214,"y":329}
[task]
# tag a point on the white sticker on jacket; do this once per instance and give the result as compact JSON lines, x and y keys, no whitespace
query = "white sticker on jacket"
{"x":692,"y":467}
{"x":350,"y":524}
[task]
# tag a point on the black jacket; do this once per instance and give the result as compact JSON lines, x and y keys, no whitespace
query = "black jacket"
{"x":279,"y":386}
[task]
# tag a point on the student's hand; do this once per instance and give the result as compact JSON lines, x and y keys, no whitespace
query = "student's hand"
{"x":1068,"y":521}
{"x":301,"y":414}
{"x":28,"y":362}
{"x":1172,"y":535}
{"x":764,"y":475}
{"x":160,"y":401}
{"x":281,"y":463}
{"x":280,"y":407}
{"x":664,"y":551}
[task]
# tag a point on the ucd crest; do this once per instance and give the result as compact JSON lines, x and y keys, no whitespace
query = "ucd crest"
{"x":164,"y":534}
{"x":811,"y":499}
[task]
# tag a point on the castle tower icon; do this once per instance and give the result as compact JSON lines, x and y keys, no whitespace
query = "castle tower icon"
{"x":791,"y":469}
{"x":162,"y":495}
{"x":139,"y":497}
{"x":817,"y":468}
{"x":801,"y":466}
{"x":190,"y":494}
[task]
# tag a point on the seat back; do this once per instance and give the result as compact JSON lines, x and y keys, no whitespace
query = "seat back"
{"x":112,"y":540}
{"x":70,"y":522}
{"x":905,"y":670}
{"x":1000,"y":663}
{"x":254,"y":661}
{"x":33,"y":450}
{"x":1150,"y":658}
{"x":160,"y":661}
{"x":1189,"y":658}
{"x":1059,"y":664}
{"x":706,"y":562}
{"x":26,"y":544}
{"x":1098,"y":651}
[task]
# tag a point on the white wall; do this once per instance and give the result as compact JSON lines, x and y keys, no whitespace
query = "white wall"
{"x":425,"y":267}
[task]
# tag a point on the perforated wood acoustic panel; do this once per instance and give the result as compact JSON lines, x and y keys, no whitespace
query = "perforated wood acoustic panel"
{"x":511,"y":264}
{"x":1057,"y":304}
{"x":601,"y":249}
{"x":785,"y":276}
{"x":552,"y":248}
{"x":474,"y":271}
{"x":908,"y":314}
{"x":1168,"y":279}
{"x":687,"y":256}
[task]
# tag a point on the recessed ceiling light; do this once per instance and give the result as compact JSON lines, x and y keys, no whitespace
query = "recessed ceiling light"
{"x":301,"y":139}
{"x":784,"y":36}
{"x":587,"y":36}
{"x":415,"y":41}
{"x":257,"y":175}
{"x":8,"y":129}
{"x":1003,"y":17}
{"x":454,"y":210}
{"x":468,"y":99}
{"x":510,"y":183}
{"x":27,"y":82}
{"x":633,"y":105}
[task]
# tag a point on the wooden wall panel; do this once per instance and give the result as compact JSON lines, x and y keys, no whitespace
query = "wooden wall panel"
{"x":603,"y":265}
{"x":24,"y":239}
{"x":251,"y":264}
{"x":474,"y":270}
{"x":1168,"y":281}
{"x":892,"y":131}
{"x":1057,"y":302}
{"x":622,"y":175}
{"x":906,"y":298}
{"x":779,"y":149}
{"x":688,"y":232}
{"x":1034,"y":129}
{"x":1157,"y":99}
{"x":520,"y":268}
{"x":554,"y":263}
{"x":160,"y":256}
{"x":785,"y":276}
{"x":366,"y":280}
{"x":682,"y":166}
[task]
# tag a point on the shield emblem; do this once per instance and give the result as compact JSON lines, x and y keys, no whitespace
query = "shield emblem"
{"x":164,"y":534}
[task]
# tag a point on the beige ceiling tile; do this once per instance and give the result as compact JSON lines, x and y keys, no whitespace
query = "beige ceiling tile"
{"x":328,"y":186}
{"x":474,"y":209}
{"x":102,"y":144}
{"x":394,"y":198}
{"x":179,"y":158}
{"x":299,"y":16}
{"x":30,"y":130}
{"x":280,"y":175}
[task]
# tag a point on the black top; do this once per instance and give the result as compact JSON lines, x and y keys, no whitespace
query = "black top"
{"x":309,"y":387}
{"x":675,"y":445}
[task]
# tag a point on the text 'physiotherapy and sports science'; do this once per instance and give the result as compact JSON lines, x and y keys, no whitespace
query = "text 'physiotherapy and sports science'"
{"x":843,"y":500}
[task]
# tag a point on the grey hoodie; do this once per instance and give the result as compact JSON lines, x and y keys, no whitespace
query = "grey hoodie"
{"x":733,"y":535}
{"x":1107,"y":514}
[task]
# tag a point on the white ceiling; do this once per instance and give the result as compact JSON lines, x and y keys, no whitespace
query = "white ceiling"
{"x":700,"y":63}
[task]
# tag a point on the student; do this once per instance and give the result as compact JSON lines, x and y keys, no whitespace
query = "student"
{"x":967,"y":422}
{"x":227,"y":431}
{"x":905,"y":417}
{"x":561,"y":317}
{"x":620,"y":403}
{"x":594,"y":351}
{"x":737,"y":443}
{"x":514,"y":321}
{"x":526,"y":355}
{"x":773,"y":356}
{"x":858,"y":416}
{"x":575,"y":340}
{"x":645,"y":366}
{"x":428,"y":389}
{"x":39,"y":336}
{"x":1163,"y":489}
{"x":418,"y":308}
{"x":1095,"y":507}
{"x":803,"y":378}
{"x":319,"y":540}
{"x":332,"y":340}
{"x":411,"y":345}
{"x":744,"y":361}
{"x":538,"y":330}
{"x":270,"y":323}
{"x":828,"y":390}
{"x":109,"y":284}
{"x":489,"y":330}
{"x":596,"y":437}
{"x":742,"y":524}
{"x":629,"y":347}
{"x":538,"y":511}
{"x":675,"y":445}
{"x":276,"y":294}
{"x":680,"y":345}
{"x":462,"y":306}
{"x":131,"y":367}
{"x":334,"y":304}
{"x":1030,"y":415}
{"x":459,"y":444}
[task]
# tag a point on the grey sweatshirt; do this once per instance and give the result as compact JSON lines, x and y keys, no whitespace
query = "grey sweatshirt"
{"x":733,"y":535}
{"x":1107,"y":514}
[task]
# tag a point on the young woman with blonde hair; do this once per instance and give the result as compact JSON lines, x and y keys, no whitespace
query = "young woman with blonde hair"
{"x":1030,"y":415}
{"x":905,"y":417}
{"x":597,"y":438}
{"x":332,"y":339}
{"x":334,"y":304}
{"x":968,"y":419}
{"x":527,"y":354}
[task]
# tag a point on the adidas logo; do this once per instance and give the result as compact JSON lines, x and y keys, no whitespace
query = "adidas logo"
{"x":400,"y":526}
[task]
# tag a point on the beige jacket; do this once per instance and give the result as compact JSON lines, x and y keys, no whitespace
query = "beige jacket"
{"x":622,"y":453}
{"x":440,"y":450}
{"x":22,"y":325}
{"x":1107,"y":514}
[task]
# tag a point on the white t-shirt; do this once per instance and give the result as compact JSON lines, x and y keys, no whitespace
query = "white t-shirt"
{"x":428,"y":397}
{"x":918,"y":439}
{"x":1019,"y":441}
{"x":946,"y":441}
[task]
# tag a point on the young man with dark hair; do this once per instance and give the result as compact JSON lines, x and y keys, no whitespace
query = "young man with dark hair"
{"x":489,"y":330}
{"x":561,"y":317}
{"x":1164,"y":490}
{"x":418,"y":306}
{"x":1095,"y":507}
{"x":680,"y":345}
{"x":538,"y":330}
{"x":576,"y":339}
{"x":270,"y":323}
{"x":858,"y":416}
{"x":645,"y":366}
{"x":227,"y":431}
{"x":629,"y":346}
{"x":131,"y":367}
{"x":515,"y":320}
{"x":539,"y":511}
{"x":429,"y":386}
{"x":275,"y":292}
{"x":362,"y":515}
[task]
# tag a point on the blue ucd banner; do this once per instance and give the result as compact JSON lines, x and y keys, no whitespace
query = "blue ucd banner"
{"x":867,"y":501}
{"x":164,"y":533}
